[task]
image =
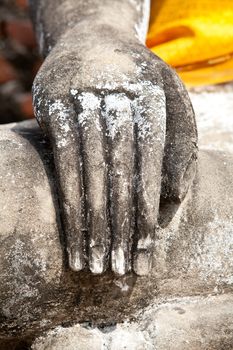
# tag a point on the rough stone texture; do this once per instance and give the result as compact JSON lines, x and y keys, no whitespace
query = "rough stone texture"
{"x":193,"y":256}
{"x":213,"y":107}
{"x":192,"y":323}
{"x":195,"y":323}
{"x":104,"y":74}
{"x":117,"y":118}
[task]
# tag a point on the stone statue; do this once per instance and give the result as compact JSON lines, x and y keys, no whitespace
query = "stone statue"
{"x":90,"y":231}
{"x":186,"y":299}
{"x":106,"y":103}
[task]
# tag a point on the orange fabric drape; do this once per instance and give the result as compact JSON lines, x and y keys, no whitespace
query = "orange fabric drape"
{"x":195,"y":37}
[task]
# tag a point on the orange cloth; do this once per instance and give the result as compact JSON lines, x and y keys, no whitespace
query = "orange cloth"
{"x":195,"y":37}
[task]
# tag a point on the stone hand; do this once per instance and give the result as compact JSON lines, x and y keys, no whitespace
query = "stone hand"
{"x":124,"y":136}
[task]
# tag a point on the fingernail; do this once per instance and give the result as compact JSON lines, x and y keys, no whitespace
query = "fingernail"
{"x":96,"y":263}
{"x":143,"y":263}
{"x":75,"y":260}
{"x":118,"y":261}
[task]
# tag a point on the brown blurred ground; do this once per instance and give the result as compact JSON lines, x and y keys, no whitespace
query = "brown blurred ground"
{"x":19,"y":61}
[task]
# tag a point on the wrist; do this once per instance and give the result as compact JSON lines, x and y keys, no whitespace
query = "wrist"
{"x":126,"y":17}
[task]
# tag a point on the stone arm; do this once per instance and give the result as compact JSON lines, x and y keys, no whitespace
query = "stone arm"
{"x":121,"y":126}
{"x":53,"y":18}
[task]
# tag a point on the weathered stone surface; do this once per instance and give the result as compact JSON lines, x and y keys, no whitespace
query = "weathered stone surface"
{"x":213,"y":107}
{"x":117,"y":118}
{"x":192,"y":255}
{"x":108,"y":84}
{"x":195,"y":323}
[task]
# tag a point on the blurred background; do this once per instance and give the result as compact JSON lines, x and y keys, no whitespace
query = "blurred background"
{"x":19,"y":61}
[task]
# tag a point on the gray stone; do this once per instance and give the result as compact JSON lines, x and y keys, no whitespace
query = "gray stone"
{"x":121,"y":126}
{"x":111,"y":225}
{"x":192,"y":255}
{"x":194,"y":323}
